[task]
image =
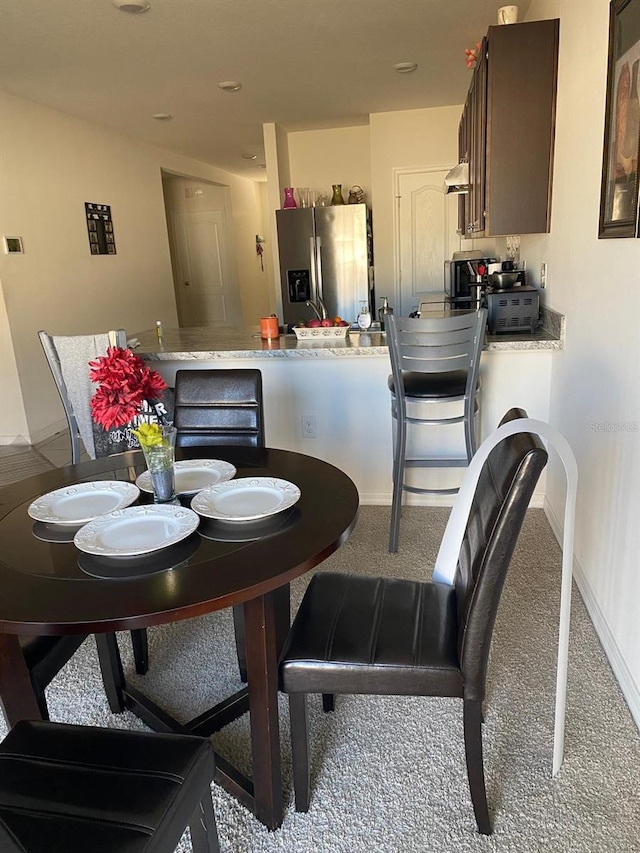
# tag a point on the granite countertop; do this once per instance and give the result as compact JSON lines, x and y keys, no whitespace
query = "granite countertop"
{"x":212,"y":343}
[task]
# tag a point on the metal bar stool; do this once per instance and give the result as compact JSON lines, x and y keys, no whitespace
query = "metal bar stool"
{"x":435,"y":360}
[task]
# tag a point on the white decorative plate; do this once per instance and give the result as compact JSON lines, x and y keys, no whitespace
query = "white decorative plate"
{"x":83,"y":502}
{"x":193,"y":475}
{"x":246,"y":498}
{"x":136,"y":530}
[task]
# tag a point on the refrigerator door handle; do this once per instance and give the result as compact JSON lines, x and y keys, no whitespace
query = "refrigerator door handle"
{"x":320,"y":290}
{"x":312,"y":267}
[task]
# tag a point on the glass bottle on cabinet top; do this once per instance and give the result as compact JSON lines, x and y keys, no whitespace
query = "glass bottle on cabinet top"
{"x":289,"y":199}
{"x":337,"y":198}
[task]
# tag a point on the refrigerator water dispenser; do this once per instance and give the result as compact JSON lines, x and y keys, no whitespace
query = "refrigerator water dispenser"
{"x":299,"y":285}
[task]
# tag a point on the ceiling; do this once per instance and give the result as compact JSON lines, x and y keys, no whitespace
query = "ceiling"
{"x":302,"y":63}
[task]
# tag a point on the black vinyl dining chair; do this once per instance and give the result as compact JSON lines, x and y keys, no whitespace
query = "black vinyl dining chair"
{"x":83,"y":789}
{"x":388,"y":636}
{"x":68,"y":357}
{"x":434,"y":382}
{"x":221,"y":407}
{"x":45,"y":657}
{"x":217,"y":407}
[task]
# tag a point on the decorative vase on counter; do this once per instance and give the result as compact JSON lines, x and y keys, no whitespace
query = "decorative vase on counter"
{"x":336,"y":198}
{"x":289,"y":199}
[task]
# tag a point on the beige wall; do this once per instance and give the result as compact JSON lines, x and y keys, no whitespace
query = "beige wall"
{"x":407,"y":139}
{"x":595,"y":387}
{"x":51,"y":165}
{"x":13,"y":420}
{"x":341,"y":155}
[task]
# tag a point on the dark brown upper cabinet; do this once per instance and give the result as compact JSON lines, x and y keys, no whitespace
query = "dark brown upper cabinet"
{"x":507,"y":132}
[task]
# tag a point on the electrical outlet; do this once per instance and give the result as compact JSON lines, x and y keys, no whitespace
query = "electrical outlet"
{"x":309,"y":428}
{"x":543,"y":276}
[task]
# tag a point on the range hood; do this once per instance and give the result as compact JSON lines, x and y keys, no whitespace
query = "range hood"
{"x":457,"y":181}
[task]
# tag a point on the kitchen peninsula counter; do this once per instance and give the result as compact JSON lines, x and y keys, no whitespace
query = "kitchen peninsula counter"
{"x":219,"y":343}
{"x":341,"y":388}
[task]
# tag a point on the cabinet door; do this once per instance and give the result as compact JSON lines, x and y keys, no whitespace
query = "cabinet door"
{"x":478,"y":146}
{"x":522,"y":70}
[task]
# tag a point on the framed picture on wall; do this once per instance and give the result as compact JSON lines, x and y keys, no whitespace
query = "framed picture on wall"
{"x":619,"y":191}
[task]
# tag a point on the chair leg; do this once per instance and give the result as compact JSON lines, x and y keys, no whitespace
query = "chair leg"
{"x":470,"y":414}
{"x":398,"y":480}
{"x":41,"y":699}
{"x":475,"y":768}
{"x":328,"y":702}
{"x":202,"y":827}
{"x":300,"y":749}
{"x":140,"y":643}
{"x":241,"y":650}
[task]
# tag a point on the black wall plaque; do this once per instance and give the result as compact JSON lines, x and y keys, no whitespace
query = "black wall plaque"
{"x":100,"y":228}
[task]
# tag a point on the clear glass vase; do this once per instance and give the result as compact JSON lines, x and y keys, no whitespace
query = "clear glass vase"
{"x":160,"y":457}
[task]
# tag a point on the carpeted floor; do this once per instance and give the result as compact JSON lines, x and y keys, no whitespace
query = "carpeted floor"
{"x":389,"y":773}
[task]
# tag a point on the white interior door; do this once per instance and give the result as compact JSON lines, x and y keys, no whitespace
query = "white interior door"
{"x":205,"y":290}
{"x":427,"y":235}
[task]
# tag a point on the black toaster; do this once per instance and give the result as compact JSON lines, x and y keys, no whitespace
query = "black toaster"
{"x":513,"y":310}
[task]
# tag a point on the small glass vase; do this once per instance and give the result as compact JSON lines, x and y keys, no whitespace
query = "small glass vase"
{"x":160,"y":458}
{"x":289,"y":199}
{"x":337,"y":198}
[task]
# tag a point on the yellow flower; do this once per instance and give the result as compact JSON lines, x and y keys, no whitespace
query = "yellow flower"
{"x":149,"y":435}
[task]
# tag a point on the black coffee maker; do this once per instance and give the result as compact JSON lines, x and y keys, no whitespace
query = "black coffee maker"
{"x":465,"y":275}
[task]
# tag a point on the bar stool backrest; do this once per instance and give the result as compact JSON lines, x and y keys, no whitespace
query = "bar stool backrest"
{"x":436,"y":345}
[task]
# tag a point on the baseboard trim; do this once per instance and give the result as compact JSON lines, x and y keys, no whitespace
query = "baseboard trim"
{"x":629,"y":688}
{"x":48,"y":431}
{"x":39,"y":435}
{"x":384,"y":499}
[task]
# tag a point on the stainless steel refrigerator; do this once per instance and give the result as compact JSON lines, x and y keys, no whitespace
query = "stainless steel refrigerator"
{"x":325,"y":252}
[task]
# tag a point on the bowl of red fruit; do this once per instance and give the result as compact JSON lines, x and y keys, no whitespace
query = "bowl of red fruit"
{"x":322,"y":330}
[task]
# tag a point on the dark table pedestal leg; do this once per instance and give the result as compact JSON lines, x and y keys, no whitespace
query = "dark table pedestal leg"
{"x":17,"y":698}
{"x":262,"y":669}
{"x":111,"y":669}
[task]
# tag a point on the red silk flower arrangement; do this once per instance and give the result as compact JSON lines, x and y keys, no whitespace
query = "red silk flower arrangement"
{"x":126,"y":383}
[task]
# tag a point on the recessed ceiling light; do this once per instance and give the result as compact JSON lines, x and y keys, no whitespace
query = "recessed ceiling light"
{"x":249,"y":156}
{"x":405,"y":67}
{"x":230,"y":86}
{"x":132,"y":5}
{"x":162,"y":116}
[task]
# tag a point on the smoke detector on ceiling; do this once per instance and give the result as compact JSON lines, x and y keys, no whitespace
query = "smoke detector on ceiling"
{"x":230,"y":86}
{"x":405,"y":67}
{"x":132,"y":5}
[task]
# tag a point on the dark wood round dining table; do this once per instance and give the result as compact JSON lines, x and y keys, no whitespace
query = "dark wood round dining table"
{"x":50,"y":587}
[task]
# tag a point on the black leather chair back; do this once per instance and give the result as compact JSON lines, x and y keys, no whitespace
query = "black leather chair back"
{"x":502,"y":496}
{"x":219,"y":407}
